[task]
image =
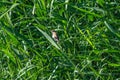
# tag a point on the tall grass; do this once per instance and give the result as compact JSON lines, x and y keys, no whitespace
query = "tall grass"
{"x":89,"y":45}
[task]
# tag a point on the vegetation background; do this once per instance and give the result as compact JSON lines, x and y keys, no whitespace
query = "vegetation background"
{"x":89,"y":46}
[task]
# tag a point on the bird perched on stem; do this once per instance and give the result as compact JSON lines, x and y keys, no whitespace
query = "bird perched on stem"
{"x":54,"y":35}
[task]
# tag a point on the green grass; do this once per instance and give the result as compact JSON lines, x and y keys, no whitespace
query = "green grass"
{"x":89,"y":46}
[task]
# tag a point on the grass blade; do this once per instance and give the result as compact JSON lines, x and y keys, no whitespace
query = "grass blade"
{"x":48,"y":38}
{"x":85,"y":11}
{"x":13,"y":6}
{"x":111,"y":29}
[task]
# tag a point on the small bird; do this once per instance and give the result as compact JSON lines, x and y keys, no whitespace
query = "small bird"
{"x":54,"y":35}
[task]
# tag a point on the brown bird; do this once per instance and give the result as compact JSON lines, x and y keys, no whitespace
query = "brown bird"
{"x":54,"y":35}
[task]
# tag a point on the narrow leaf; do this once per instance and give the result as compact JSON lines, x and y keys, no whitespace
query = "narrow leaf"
{"x":49,"y":38}
{"x":14,"y":5}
